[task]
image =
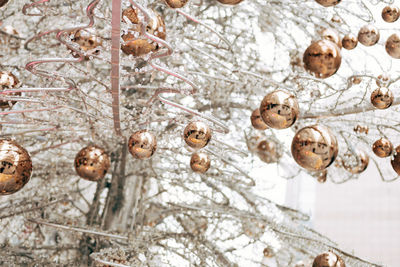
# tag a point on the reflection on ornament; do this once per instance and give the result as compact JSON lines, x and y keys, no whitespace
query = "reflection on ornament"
{"x":322,"y":58}
{"x":176,"y":3}
{"x":142,"y":144}
{"x":197,"y":134}
{"x":356,"y":80}
{"x":230,"y":2}
{"x":393,"y":46}
{"x":382,"y":147}
{"x":92,"y":163}
{"x":268,"y":151}
{"x":3,"y":2}
{"x":396,"y":160}
{"x":88,"y":42}
{"x":390,"y":13}
{"x":382,"y":98}
{"x":332,"y":35}
{"x":368,"y":35}
{"x":138,"y":46}
{"x":8,"y":81}
{"x":382,"y":80}
{"x":327,"y":3}
{"x":15,"y":167}
{"x":358,"y":167}
{"x":314,"y":147}
{"x":279,"y":109}
{"x":257,"y":121}
{"x":328,"y":259}
{"x":200,"y":162}
{"x":349,"y":41}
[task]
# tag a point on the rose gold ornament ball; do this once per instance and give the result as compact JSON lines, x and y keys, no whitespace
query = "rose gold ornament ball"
{"x":200,"y":162}
{"x":314,"y":147}
{"x":142,"y":144}
{"x":393,"y":46}
{"x":88,"y":42}
{"x":328,"y":259}
{"x":382,"y":147}
{"x":368,"y":35}
{"x":138,"y":46}
{"x":176,"y":3}
{"x":92,"y":163}
{"x":197,"y":134}
{"x":230,"y":2}
{"x":362,"y":163}
{"x":15,"y":167}
{"x":8,"y":81}
{"x":322,"y":58}
{"x":328,"y":3}
{"x":390,"y":13}
{"x":382,"y":98}
{"x":356,"y":80}
{"x":268,"y":151}
{"x":382,"y":80}
{"x":332,"y":35}
{"x":349,"y":41}
{"x":279,"y":109}
{"x":396,"y":160}
{"x":257,"y":121}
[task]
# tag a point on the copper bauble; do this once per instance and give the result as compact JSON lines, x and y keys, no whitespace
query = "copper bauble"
{"x":142,"y":144}
{"x":197,"y":134}
{"x":3,"y":2}
{"x":383,"y":80}
{"x":92,"y":163}
{"x":257,"y":121}
{"x":314,"y":147}
{"x":396,"y":160}
{"x":15,"y":167}
{"x":200,"y":162}
{"x":87,"y":41}
{"x":176,"y":3}
{"x":8,"y":81}
{"x":279,"y":109}
{"x":349,"y":41}
{"x":393,"y":46}
{"x":327,"y":3}
{"x":328,"y":259}
{"x":138,"y":46}
{"x":356,"y":80}
{"x":268,"y":151}
{"x":368,"y":35}
{"x":382,"y":147}
{"x":360,"y":166}
{"x":331,"y":35}
{"x":390,"y":13}
{"x":322,"y":58}
{"x":268,"y":252}
{"x":230,"y":2}
{"x":382,"y":98}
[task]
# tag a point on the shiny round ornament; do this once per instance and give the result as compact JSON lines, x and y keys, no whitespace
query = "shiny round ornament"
{"x":200,"y":162}
{"x":8,"y":81}
{"x":268,"y":151}
{"x":279,"y":109}
{"x":87,"y":41}
{"x":390,"y":14}
{"x":138,"y":46}
{"x":142,"y":144}
{"x":349,"y":41}
{"x":328,"y":259}
{"x":382,"y":147}
{"x":230,"y":2}
{"x":383,"y":80}
{"x":331,"y":35}
{"x":92,"y":163}
{"x":356,"y":80}
{"x":314,"y":147}
{"x":257,"y":121}
{"x":361,"y":164}
{"x":368,"y":35}
{"x":3,"y":2}
{"x":393,"y":46}
{"x":176,"y":3}
{"x":322,"y":58}
{"x":396,"y":160}
{"x":328,"y":3}
{"x":15,"y":167}
{"x":197,"y":134}
{"x":382,"y":98}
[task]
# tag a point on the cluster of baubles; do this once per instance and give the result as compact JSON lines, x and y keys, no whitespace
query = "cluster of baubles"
{"x":197,"y":135}
{"x":328,"y":259}
{"x":8,"y":81}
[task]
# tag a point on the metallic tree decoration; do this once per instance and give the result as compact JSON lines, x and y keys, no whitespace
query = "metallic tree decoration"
{"x":393,"y":46}
{"x":142,"y":144}
{"x":197,"y":134}
{"x":200,"y":162}
{"x":328,"y":259}
{"x":332,"y":35}
{"x":8,"y":81}
{"x":322,"y":58}
{"x":396,"y":160}
{"x":349,"y":41}
{"x":368,"y":35}
{"x":268,"y":151}
{"x":382,"y":98}
{"x":138,"y":46}
{"x":176,"y":3}
{"x":15,"y":167}
{"x":360,"y":165}
{"x":383,"y":80}
{"x":328,"y":3}
{"x":3,"y":2}
{"x":87,"y":42}
{"x":314,"y":147}
{"x":390,"y":14}
{"x":257,"y":121}
{"x":230,"y":2}
{"x":382,"y":147}
{"x":279,"y":109}
{"x":92,"y":163}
